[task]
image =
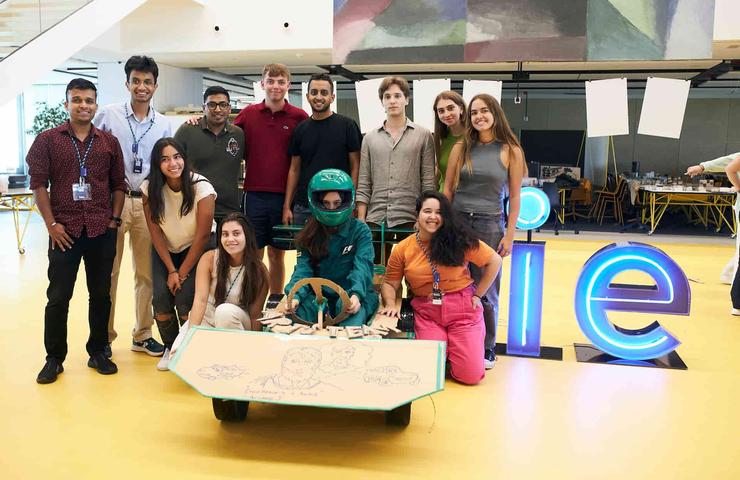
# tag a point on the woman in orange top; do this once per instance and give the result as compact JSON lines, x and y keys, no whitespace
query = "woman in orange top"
{"x":446,"y":302}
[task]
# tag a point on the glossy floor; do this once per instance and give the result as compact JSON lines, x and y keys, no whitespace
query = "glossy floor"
{"x":528,"y":419}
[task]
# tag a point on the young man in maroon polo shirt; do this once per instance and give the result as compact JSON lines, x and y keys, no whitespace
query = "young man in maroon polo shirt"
{"x":267,"y":127}
{"x":83,"y":168}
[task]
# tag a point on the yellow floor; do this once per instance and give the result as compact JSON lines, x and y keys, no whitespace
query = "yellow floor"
{"x":528,"y":419}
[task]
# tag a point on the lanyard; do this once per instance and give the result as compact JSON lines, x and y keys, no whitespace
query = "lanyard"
{"x":233,"y":282}
{"x":435,"y":273}
{"x":82,"y":159}
{"x":135,"y":145}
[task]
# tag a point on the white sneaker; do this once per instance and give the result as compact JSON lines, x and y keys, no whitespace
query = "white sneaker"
{"x":164,"y":362}
{"x":736,"y":312}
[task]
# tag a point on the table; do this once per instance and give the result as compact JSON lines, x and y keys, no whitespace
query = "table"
{"x":713,"y":207}
{"x":18,"y":200}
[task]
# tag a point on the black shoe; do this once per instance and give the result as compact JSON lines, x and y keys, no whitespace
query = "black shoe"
{"x":488,"y":358}
{"x":48,"y":374}
{"x":108,"y":351}
{"x":102,"y":364}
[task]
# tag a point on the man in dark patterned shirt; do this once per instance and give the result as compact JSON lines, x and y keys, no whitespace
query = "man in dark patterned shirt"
{"x":83,"y":168}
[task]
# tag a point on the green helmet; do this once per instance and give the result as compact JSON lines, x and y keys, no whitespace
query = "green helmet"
{"x":331,"y":180}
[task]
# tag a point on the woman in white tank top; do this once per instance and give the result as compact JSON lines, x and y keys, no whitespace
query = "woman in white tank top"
{"x":231,"y":282}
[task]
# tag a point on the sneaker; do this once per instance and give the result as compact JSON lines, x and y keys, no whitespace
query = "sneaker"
{"x":735,"y":311}
{"x":488,"y":358}
{"x":108,"y":351}
{"x":48,"y":374}
{"x":164,"y":362}
{"x":148,"y":346}
{"x":102,"y":364}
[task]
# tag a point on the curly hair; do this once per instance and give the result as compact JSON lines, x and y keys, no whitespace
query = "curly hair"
{"x":448,"y":244}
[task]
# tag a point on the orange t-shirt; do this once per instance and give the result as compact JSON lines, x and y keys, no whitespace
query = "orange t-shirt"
{"x":408,"y":260}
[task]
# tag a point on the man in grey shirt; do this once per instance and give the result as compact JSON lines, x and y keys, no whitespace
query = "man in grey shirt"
{"x":396,"y":163}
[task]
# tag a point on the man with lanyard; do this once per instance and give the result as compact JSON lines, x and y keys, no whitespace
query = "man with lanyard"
{"x":267,"y":127}
{"x":325,"y":140}
{"x":137,"y":126}
{"x":215,"y":149}
{"x":84,"y":168}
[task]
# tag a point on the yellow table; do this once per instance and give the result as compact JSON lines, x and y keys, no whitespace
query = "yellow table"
{"x":19,"y":200}
{"x":713,"y":208}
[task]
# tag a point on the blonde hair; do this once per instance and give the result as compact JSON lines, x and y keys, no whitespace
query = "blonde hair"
{"x":501,"y":130}
{"x":276,"y":70}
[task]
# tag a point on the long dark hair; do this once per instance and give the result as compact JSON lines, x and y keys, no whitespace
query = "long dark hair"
{"x":314,"y":238}
{"x":157,"y":181}
{"x":442,"y":131}
{"x":502,"y":132}
{"x":448,"y":244}
{"x":254,"y":276}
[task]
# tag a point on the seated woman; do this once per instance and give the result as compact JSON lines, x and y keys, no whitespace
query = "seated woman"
{"x":178,"y":206}
{"x":335,"y":246}
{"x":231,"y":283}
{"x":447,"y":304}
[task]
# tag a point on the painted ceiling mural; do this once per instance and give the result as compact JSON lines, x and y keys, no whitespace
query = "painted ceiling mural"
{"x":447,"y":31}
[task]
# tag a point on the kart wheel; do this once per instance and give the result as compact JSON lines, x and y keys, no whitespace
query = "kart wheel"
{"x":399,"y":416}
{"x":230,"y":410}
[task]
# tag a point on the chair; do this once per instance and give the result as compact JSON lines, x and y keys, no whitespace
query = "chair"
{"x":553,"y":195}
{"x":580,"y":196}
{"x":612,"y":194}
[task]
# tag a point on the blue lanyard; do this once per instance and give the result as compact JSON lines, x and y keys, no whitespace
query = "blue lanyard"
{"x":135,"y":145}
{"x":80,"y":158}
{"x":435,"y":273}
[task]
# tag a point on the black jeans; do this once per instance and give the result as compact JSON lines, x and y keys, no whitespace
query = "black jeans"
{"x":98,"y":254}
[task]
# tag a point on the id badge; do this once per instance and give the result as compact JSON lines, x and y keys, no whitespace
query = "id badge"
{"x":81,"y":191}
{"x":436,"y":297}
{"x":138,"y":164}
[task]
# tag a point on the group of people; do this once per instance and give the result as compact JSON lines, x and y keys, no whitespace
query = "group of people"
{"x":197,"y":244}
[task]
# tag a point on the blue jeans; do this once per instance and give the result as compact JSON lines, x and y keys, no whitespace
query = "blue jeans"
{"x":164,"y":302}
{"x":490,"y":230}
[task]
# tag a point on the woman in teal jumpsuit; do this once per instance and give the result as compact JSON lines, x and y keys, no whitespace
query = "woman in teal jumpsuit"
{"x":335,"y":246}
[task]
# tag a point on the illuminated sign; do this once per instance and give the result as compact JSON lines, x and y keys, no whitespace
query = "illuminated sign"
{"x":533,"y":210}
{"x":525,"y":299}
{"x":596,"y":294}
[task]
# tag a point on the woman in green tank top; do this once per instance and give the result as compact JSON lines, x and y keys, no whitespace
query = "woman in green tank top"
{"x":449,"y":128}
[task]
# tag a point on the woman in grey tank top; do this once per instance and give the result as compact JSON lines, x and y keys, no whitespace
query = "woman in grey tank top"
{"x":486,"y":167}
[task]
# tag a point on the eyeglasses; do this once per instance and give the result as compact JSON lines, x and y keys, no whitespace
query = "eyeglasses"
{"x":214,"y":105}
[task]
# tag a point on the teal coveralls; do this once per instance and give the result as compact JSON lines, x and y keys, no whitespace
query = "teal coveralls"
{"x":349,"y":265}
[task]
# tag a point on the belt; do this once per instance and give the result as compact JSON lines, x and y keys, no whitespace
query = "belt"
{"x":134,"y":193}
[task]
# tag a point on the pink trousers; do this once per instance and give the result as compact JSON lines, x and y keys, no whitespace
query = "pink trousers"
{"x":460,"y":325}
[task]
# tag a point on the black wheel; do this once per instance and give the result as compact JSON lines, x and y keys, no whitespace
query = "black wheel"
{"x":230,"y":410}
{"x":399,"y":415}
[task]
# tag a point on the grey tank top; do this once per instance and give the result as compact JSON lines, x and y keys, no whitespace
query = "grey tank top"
{"x":483,"y":190}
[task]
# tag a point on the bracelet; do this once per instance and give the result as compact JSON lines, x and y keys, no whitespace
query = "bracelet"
{"x":173,"y":271}
{"x":52,"y":224}
{"x":478,"y":297}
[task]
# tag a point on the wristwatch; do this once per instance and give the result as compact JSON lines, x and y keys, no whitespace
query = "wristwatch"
{"x":117,"y":220}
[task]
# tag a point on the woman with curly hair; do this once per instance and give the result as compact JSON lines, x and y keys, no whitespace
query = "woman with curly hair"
{"x":447,"y":303}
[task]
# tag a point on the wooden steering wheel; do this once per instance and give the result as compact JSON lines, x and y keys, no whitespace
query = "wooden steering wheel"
{"x":316,"y":284}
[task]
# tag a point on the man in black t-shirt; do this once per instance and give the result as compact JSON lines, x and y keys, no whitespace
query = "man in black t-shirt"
{"x":325,"y":140}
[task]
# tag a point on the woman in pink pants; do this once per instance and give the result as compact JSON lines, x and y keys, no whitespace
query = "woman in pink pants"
{"x":447,"y":304}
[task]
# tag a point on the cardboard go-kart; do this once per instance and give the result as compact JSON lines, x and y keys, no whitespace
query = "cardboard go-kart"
{"x":320,"y":364}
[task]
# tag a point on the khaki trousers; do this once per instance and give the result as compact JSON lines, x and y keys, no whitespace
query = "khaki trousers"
{"x":134,"y":223}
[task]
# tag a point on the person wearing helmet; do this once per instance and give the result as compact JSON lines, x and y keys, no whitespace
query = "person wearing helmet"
{"x":335,"y":246}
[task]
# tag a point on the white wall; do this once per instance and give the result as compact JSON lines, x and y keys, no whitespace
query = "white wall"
{"x":726,"y":19}
{"x":244,"y":25}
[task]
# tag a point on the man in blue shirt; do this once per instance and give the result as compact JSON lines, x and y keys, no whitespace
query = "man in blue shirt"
{"x":137,"y":126}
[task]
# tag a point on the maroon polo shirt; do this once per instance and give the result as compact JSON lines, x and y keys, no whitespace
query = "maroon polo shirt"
{"x":267,"y":136}
{"x":52,"y":161}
